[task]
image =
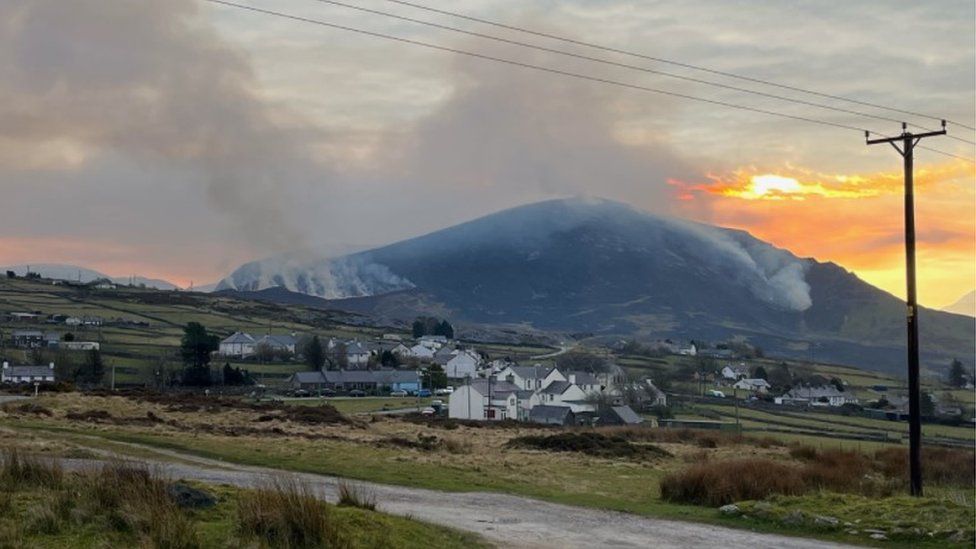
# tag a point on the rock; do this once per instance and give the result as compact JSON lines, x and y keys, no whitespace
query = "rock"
{"x":874,"y":531}
{"x":730,"y":509}
{"x":794,"y":518}
{"x":189,"y":497}
{"x":852,"y":532}
{"x":879,"y":537}
{"x":825,"y":521}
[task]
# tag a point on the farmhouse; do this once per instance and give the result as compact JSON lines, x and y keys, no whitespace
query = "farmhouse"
{"x":532,"y":378}
{"x":277,"y":343}
{"x":357,"y":355}
{"x":734,"y":373}
{"x":239,"y":344}
{"x":26,"y":374}
{"x":459,"y":363}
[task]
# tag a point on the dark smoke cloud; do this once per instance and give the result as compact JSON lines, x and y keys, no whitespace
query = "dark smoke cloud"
{"x":153,"y":82}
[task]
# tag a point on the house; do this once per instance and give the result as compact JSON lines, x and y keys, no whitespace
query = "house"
{"x":421,"y":351}
{"x":552,"y":415}
{"x":278,"y":343}
{"x":51,"y":339}
{"x":463,"y":364}
{"x":734,"y":373}
{"x":365,"y":380}
{"x":26,"y":374}
{"x":753,"y":385}
{"x":688,"y":350}
{"x":825,"y":395}
{"x":24,"y":317}
{"x":564,"y":393}
{"x":27,"y":339}
{"x":238,"y":344}
{"x":531,"y":377}
{"x":357,"y":355}
{"x":485,"y":399}
{"x":589,"y":383}
{"x":619,"y":415}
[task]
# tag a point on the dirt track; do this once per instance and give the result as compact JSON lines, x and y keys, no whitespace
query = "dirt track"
{"x":507,"y":521}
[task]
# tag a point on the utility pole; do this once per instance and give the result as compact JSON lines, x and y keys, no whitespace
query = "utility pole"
{"x":907,"y":151}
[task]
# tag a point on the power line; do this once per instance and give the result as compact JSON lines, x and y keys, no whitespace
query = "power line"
{"x":672,"y":62}
{"x":624,"y":65}
{"x":555,"y":71}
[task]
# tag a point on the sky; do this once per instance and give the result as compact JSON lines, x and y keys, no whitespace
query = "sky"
{"x":180,"y":139}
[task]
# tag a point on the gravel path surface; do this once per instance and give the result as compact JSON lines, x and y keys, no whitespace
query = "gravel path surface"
{"x":507,"y":521}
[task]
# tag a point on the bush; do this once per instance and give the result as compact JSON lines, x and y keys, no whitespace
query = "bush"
{"x":718,"y":483}
{"x":286,"y":513}
{"x":587,"y":442}
{"x":939,"y":465}
{"x":354,"y":495}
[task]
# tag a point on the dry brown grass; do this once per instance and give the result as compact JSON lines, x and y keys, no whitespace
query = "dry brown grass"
{"x":700,"y":437}
{"x":286,"y":513}
{"x":716,"y":483}
{"x":945,"y":466}
{"x":19,"y":470}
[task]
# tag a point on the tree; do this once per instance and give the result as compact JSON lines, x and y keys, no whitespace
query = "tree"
{"x":434,"y":377}
{"x":68,"y":337}
{"x":445,"y":329}
{"x":314,"y":354}
{"x":236,"y":376}
{"x":582,"y":361}
{"x":389,"y":359}
{"x":837,"y":383}
{"x":418,"y":329}
{"x":92,"y":370}
{"x":957,"y":374}
{"x":197,"y":344}
{"x":264,"y":352}
{"x":760,"y":373}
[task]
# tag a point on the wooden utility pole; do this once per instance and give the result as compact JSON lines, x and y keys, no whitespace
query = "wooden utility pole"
{"x":907,"y":151}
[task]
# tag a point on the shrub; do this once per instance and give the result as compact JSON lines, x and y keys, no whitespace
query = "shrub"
{"x":286,"y":513}
{"x":354,"y":495}
{"x":717,"y":483}
{"x":587,"y":442}
{"x":939,"y":465}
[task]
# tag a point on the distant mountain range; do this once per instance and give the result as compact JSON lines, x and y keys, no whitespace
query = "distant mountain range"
{"x":966,"y":305}
{"x":604,"y":268}
{"x":81,"y":274}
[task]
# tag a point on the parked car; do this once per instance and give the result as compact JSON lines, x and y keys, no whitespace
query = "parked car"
{"x":714,"y":393}
{"x":299,"y":393}
{"x":445,"y":391}
{"x":436,"y":403}
{"x":424,"y":393}
{"x":327,"y":392}
{"x":398,"y":393}
{"x":357,"y":393}
{"x":428,"y":411}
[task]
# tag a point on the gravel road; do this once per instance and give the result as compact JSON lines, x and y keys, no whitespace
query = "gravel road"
{"x":507,"y":521}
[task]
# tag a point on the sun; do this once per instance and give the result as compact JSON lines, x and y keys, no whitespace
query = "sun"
{"x":764,"y":184}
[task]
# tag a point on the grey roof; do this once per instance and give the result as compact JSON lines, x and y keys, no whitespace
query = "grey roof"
{"x":380,"y":377}
{"x":308,"y":377}
{"x":276,"y":340}
{"x":532,"y":372}
{"x":28,"y":371}
{"x":356,"y":348}
{"x":584,"y":378}
{"x":627,"y":415}
{"x":557,"y":387}
{"x":27,"y":333}
{"x":238,"y":337}
{"x":544,"y":414}
{"x":524,"y":394}
{"x":497,"y":386}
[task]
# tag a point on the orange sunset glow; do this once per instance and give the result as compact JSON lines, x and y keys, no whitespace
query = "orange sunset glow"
{"x":855,"y":220}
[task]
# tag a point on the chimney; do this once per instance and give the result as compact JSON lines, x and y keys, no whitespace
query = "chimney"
{"x":6,"y":364}
{"x":572,"y":378}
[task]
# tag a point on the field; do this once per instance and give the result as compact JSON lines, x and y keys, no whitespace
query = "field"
{"x":408,"y":451}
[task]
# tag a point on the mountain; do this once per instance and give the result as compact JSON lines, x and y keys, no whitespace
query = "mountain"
{"x":601,"y":267}
{"x":81,"y":274}
{"x":966,"y":305}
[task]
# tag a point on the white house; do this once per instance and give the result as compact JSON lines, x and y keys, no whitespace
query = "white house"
{"x":238,"y":344}
{"x":564,"y":393}
{"x":753,"y":385}
{"x":463,"y":364}
{"x":357,"y":355}
{"x":281,"y":343}
{"x":79,"y":345}
{"x":532,"y":378}
{"x":688,"y":350}
{"x":734,"y":373}
{"x":484,"y":399}
{"x":26,"y":374}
